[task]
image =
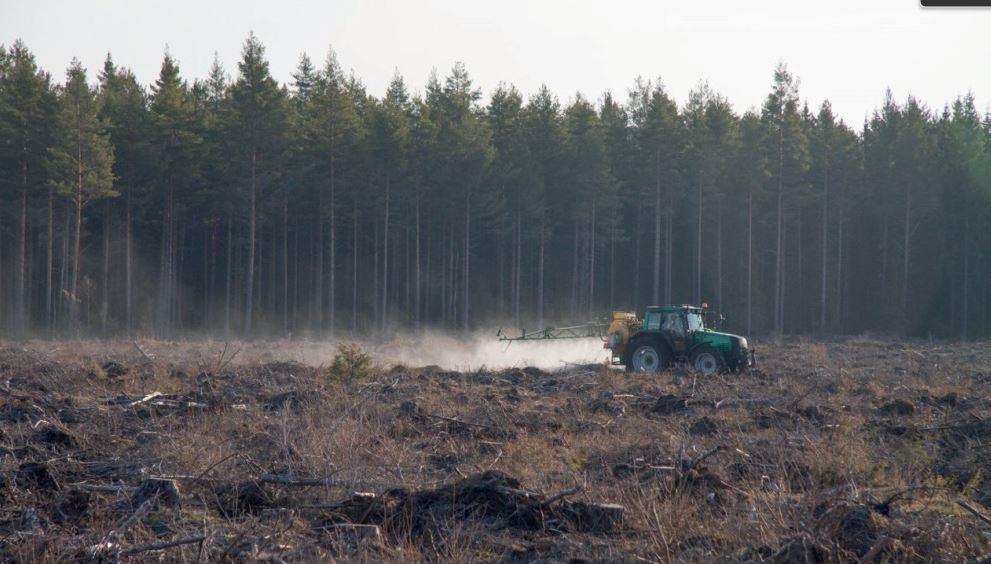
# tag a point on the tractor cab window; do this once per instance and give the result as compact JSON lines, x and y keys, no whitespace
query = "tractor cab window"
{"x":652,"y":321}
{"x":694,"y":322}
{"x":673,"y":325}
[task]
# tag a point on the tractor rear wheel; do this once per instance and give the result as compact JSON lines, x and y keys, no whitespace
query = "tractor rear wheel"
{"x":647,"y":358}
{"x":708,"y":360}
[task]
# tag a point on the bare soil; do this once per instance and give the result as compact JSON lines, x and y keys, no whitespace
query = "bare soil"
{"x":848,"y":450}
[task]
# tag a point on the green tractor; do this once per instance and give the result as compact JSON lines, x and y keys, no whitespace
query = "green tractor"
{"x":665,"y":335}
{"x":669,"y":334}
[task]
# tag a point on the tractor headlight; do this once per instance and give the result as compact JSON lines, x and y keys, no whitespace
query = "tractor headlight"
{"x":743,"y":343}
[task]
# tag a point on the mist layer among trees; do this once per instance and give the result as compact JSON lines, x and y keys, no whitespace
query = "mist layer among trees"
{"x":235,"y":205}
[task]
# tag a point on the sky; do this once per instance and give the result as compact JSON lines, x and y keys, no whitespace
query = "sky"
{"x":849,"y":51}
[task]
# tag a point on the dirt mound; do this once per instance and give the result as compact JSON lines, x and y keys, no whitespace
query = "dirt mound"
{"x":898,"y":407}
{"x":491,"y":497}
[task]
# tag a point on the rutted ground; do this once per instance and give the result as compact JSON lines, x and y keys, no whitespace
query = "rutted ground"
{"x":837,"y":451}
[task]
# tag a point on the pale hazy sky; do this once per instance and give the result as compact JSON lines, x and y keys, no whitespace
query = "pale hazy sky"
{"x":846,"y":50}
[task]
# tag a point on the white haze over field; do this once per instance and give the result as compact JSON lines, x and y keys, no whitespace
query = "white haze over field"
{"x":450,"y":351}
{"x":485,"y":351}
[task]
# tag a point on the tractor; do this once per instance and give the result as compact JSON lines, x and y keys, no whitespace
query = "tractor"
{"x":669,"y":334}
{"x":665,"y":335}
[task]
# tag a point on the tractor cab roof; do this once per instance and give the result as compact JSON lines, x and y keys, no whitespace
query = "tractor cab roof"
{"x":673,"y":308}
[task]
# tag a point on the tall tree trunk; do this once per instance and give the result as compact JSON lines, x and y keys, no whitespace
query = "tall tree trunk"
{"x":750,"y":260}
{"x":574,"y":272}
{"x":250,"y":278}
{"x":612,"y":266}
{"x":656,"y":295}
{"x":637,"y":252}
{"x":20,"y":305}
{"x":76,"y":251}
{"x":50,"y":262}
{"x":376,"y":299}
{"x":698,"y":248}
{"x":966,"y":269}
{"x":719,"y":255}
{"x":294,"y":317}
{"x":445,"y":258}
{"x":318,"y":266}
{"x":839,"y":261}
{"x":779,"y":262}
{"x":209,"y":273}
{"x":105,"y":285}
{"x":800,"y":287}
{"x":165,"y":268}
{"x":230,"y":273}
{"x":385,"y":257}
{"x":906,"y":247}
{"x":669,"y":250}
{"x":884,"y":256}
{"x":517,"y":271}
{"x":467,"y":284}
{"x":540,"y":271}
{"x":332,"y":282}
{"x":416,"y":265}
{"x":128,"y":264}
{"x":591,"y":266}
{"x":825,"y":247}
{"x":285,"y":265}
{"x":64,"y":274}
{"x":354,"y":267}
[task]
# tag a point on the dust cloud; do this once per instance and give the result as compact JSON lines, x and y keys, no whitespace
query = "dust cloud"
{"x":484,"y":350}
{"x":450,"y":351}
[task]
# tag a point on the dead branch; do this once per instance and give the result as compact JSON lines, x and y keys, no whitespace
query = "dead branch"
{"x":224,"y":363}
{"x":125,"y":524}
{"x":326,"y":481}
{"x":300,"y":482}
{"x":970,"y":509}
{"x":148,"y":357}
{"x":106,"y":488}
{"x":162,"y":545}
{"x":726,"y":402}
{"x":884,"y":543}
{"x":703,"y":456}
{"x":458,"y":421}
{"x":559,"y":495}
{"x":145,"y":399}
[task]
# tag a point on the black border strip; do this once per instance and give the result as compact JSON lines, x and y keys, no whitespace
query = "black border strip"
{"x":956,"y":3}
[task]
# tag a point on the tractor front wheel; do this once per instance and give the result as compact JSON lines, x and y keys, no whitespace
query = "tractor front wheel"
{"x":647,"y":358}
{"x":708,"y":361}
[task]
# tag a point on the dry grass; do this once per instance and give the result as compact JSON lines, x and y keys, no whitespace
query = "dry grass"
{"x":832,"y":450}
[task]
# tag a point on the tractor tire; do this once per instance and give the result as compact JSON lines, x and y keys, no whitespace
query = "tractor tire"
{"x":648,"y":357}
{"x":708,"y":360}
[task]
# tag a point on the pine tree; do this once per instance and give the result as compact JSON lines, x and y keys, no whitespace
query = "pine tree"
{"x":594,"y":196}
{"x":712,"y":137}
{"x":751,"y":166}
{"x":619,"y":149}
{"x":259,"y":126}
{"x":27,"y":110}
{"x":508,"y":177}
{"x":660,"y":140}
{"x":176,"y":142}
{"x":788,"y":157}
{"x":332,"y":133}
{"x":123,"y":106}
{"x":82,"y":161}
{"x":544,"y":133}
